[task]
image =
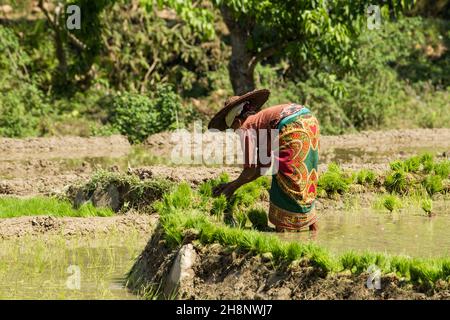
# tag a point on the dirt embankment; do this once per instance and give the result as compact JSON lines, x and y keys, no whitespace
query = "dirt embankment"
{"x":67,"y":227}
{"x":214,"y":272}
{"x":63,"y":147}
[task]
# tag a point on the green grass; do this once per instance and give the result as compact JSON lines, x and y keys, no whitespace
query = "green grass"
{"x":16,"y":207}
{"x":334,"y":180}
{"x":365,"y":177}
{"x":427,"y":206}
{"x":392,"y":202}
{"x":176,"y":218}
{"x":258,"y":218}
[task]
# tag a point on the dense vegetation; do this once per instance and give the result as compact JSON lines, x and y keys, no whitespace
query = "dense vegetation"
{"x":137,"y":70}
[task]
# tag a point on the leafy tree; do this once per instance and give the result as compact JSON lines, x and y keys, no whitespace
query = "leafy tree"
{"x":75,"y":50}
{"x":305,"y":31}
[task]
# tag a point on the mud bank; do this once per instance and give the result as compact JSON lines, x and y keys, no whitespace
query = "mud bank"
{"x":217,"y":272}
{"x":67,"y":227}
{"x":63,"y":147}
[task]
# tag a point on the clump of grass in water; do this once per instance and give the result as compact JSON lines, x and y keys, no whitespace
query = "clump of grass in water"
{"x":391,"y":203}
{"x":16,"y":207}
{"x":427,"y":206}
{"x":334,"y":181}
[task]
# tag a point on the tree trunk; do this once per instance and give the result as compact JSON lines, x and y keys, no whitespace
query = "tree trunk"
{"x":241,"y":69}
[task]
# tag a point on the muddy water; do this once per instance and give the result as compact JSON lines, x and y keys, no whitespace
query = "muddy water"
{"x":52,"y":268}
{"x":405,"y":233}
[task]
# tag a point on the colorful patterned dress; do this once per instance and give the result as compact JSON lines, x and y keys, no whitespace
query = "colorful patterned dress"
{"x":294,"y":186}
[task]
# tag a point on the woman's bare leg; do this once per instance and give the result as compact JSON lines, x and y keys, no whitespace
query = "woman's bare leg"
{"x":314,"y":227}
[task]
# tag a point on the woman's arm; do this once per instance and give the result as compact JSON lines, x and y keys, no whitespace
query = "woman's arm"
{"x":247,"y":175}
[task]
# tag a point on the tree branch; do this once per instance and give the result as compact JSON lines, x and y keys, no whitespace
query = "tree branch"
{"x":56,"y":27}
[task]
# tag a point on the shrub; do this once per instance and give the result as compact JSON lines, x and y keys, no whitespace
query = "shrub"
{"x":21,"y":111}
{"x":138,"y":116}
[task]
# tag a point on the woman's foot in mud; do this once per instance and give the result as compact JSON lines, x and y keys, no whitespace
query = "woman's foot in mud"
{"x":314,"y":227}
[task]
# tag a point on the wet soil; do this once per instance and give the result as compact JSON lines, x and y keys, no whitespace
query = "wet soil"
{"x":47,"y":225}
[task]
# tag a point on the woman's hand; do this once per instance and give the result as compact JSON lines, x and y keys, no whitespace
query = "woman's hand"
{"x":226,"y":189}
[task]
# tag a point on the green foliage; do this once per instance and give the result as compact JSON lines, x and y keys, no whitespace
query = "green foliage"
{"x":247,"y":195}
{"x":365,"y":177}
{"x":334,"y":180}
{"x":258,"y":218}
{"x":391,"y":203}
{"x":134,"y":192}
{"x":138,"y":116}
{"x":427,"y":205}
{"x":16,"y":207}
{"x":442,"y":169}
{"x":145,"y":50}
{"x":219,"y":206}
{"x":433,"y":184}
{"x":397,"y":182}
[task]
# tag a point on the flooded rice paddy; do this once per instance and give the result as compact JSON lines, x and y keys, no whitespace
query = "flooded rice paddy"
{"x":55,"y":268}
{"x":405,"y":232}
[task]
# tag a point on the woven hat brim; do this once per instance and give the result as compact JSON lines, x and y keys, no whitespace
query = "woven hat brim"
{"x":257,"y":98}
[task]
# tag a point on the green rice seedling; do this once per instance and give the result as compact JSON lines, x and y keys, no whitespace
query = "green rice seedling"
{"x":180,"y":198}
{"x":397,"y":182}
{"x":241,"y":218}
{"x":426,"y":157}
{"x":247,"y":195}
{"x":258,"y":218}
{"x":334,"y":181}
{"x":206,"y":189}
{"x":219,"y":206}
{"x":397,"y":165}
{"x":391,"y":203}
{"x":365,"y":177}
{"x":433,"y":184}
{"x":16,"y":207}
{"x":412,"y":164}
{"x":427,"y":206}
{"x":446,"y":269}
{"x":422,"y":272}
{"x":442,"y":169}
{"x":400,"y":265}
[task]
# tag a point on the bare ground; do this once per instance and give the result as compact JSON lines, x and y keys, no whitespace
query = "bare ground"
{"x":47,"y":225}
